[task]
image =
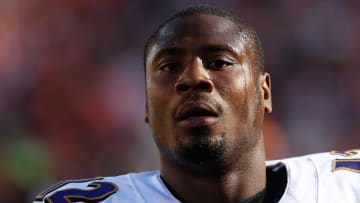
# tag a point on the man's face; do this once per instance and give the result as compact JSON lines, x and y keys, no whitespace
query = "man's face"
{"x":205,"y":103}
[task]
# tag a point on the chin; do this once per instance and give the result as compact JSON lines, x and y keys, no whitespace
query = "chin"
{"x":203,"y":153}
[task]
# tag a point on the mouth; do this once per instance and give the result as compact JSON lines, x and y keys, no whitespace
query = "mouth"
{"x":196,"y":114}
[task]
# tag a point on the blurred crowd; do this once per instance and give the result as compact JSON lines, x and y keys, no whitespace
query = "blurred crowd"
{"x":72,"y":84}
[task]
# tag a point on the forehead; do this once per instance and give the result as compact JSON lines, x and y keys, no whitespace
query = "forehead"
{"x":193,"y":32}
{"x":200,"y":25}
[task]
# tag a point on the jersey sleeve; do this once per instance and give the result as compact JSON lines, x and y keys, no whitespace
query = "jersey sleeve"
{"x":325,"y":177}
{"x":86,"y":190}
{"x":128,"y":188}
{"x":339,"y":177}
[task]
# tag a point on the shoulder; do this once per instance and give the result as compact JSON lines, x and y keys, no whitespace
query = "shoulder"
{"x":127,"y":188}
{"x":330,"y":176}
{"x":332,"y":163}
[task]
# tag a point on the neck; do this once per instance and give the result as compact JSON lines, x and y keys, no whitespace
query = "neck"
{"x":241,"y":181}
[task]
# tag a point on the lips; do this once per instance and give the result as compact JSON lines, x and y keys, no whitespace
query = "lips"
{"x":193,"y":110}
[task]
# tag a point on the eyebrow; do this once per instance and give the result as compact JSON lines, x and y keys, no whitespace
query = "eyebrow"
{"x":217,"y":48}
{"x":168,"y":51}
{"x":206,"y":48}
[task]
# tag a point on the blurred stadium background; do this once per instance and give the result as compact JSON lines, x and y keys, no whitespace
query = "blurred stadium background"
{"x":72,"y":86}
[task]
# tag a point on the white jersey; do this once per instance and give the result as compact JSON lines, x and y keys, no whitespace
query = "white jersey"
{"x":319,"y":178}
{"x":322,"y":178}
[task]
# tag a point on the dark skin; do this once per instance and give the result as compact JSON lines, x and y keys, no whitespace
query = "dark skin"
{"x":205,"y":106}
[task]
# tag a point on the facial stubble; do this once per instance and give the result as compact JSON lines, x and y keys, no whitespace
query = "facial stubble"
{"x":201,"y":152}
{"x":206,"y":153}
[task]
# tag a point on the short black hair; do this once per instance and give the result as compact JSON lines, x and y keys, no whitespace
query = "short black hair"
{"x":245,"y":30}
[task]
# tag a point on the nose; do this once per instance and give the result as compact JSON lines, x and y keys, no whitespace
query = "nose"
{"x":194,"y":77}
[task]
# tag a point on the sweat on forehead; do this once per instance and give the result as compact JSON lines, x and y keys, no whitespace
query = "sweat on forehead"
{"x":245,"y":31}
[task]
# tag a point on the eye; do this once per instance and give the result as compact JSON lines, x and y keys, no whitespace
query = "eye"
{"x":169,"y":66}
{"x":218,"y":64}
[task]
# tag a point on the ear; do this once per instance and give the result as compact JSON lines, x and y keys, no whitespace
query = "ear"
{"x":146,"y":111}
{"x":266,"y":89}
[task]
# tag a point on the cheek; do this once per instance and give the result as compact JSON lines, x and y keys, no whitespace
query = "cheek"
{"x":239,"y":95}
{"x":234,"y":89}
{"x":155,"y":100}
{"x":155,"y":117}
{"x":159,"y":112}
{"x":158,"y":95}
